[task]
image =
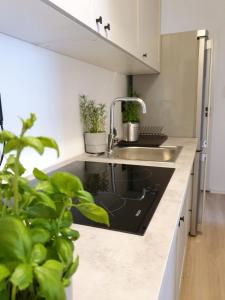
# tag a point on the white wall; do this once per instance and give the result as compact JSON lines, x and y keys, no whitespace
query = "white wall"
{"x":40,"y":81}
{"x":181,"y":15}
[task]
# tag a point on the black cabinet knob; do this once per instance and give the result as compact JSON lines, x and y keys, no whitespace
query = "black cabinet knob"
{"x":181,"y":219}
{"x":107,"y":27}
{"x":145,"y":54}
{"x":99,"y":20}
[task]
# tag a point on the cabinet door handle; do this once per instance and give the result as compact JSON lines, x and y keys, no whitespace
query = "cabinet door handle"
{"x":182,"y":218}
{"x":145,"y":54}
{"x":107,"y":27}
{"x":99,"y":20}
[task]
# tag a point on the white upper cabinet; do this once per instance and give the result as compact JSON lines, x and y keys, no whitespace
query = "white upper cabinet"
{"x":82,"y":10}
{"x":149,"y":32}
{"x":106,"y":33}
{"x":122,"y":18}
{"x":133,"y":25}
{"x":116,"y":20}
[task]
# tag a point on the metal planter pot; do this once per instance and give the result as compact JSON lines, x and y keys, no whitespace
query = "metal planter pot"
{"x":131,"y":131}
{"x":95,"y":142}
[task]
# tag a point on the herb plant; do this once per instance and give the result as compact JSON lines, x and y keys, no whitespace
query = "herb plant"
{"x":92,"y":115}
{"x":131,"y":110}
{"x":36,"y":241}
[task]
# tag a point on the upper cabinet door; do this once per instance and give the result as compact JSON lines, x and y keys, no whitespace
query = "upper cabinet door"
{"x":149,"y":32}
{"x":133,"y":25}
{"x":82,"y":10}
{"x":120,"y":20}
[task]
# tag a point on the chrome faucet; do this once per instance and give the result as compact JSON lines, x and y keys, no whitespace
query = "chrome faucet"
{"x":112,"y":130}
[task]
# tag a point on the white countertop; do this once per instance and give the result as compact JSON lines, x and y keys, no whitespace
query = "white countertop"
{"x":120,"y":266}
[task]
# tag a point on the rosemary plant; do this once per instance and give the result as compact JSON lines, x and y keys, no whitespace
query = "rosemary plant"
{"x":92,"y":115}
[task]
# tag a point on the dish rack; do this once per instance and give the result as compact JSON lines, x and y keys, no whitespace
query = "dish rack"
{"x":151,"y":130}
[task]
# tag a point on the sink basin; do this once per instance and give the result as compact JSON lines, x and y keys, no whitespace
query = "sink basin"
{"x":160,"y":154}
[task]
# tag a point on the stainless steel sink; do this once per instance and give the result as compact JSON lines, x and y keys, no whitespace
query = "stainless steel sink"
{"x":160,"y":154}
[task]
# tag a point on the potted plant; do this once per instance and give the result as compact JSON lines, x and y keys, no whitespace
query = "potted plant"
{"x":93,"y":117}
{"x":131,"y":119}
{"x":37,"y":243}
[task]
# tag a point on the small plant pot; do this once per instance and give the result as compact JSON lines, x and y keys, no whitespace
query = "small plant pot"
{"x":131,"y":131}
{"x":95,"y":142}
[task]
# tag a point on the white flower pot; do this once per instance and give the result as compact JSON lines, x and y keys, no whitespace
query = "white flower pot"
{"x":95,"y":142}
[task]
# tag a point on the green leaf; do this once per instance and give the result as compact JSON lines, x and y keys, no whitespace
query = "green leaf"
{"x":6,"y":136}
{"x":66,"y":183}
{"x":39,"y":235}
{"x":6,"y":177}
{"x":28,"y":123}
{"x":70,"y":233}
{"x":93,"y":212}
{"x":24,"y":184}
{"x":4,"y":272}
{"x":49,"y":278}
{"x":72,"y":268}
{"x":15,"y":240}
{"x":22,"y":277}
{"x":39,"y":174}
{"x":49,"y":143}
{"x":34,"y":143}
{"x":4,"y":293}
{"x":40,"y":222}
{"x":84,"y":196}
{"x":67,"y":219}
{"x":45,"y":200}
{"x":10,"y":164}
{"x":38,"y":254}
{"x":65,"y":251}
{"x":37,"y":210}
{"x":66,"y":282}
{"x":45,"y":186}
{"x":11,"y":145}
{"x":3,"y":287}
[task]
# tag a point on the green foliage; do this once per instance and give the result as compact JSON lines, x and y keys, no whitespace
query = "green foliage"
{"x":131,"y":110}
{"x":92,"y":115}
{"x":37,"y":243}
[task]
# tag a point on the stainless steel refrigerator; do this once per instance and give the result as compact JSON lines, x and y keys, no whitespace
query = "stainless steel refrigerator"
{"x":178,"y":98}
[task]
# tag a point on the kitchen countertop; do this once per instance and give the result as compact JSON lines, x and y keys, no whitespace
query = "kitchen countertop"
{"x":121,"y":266}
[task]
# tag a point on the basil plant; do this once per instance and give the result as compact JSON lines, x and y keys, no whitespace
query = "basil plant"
{"x":36,"y":240}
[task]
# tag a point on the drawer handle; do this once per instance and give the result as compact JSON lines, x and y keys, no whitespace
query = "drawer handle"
{"x":145,"y":55}
{"x":99,"y":20}
{"x":107,"y":27}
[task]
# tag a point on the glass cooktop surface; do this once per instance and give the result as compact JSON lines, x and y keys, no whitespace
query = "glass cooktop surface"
{"x":129,"y":193}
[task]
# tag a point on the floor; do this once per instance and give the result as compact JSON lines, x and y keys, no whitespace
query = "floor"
{"x":204,"y":270}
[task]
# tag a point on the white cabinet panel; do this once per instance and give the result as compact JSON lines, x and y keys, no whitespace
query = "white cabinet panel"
{"x":133,"y":25}
{"x":122,"y":17}
{"x":82,"y":10}
{"x":149,"y":32}
{"x":181,"y":245}
{"x":170,"y":288}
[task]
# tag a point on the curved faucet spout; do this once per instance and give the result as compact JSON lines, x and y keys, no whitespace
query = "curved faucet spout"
{"x":120,"y":99}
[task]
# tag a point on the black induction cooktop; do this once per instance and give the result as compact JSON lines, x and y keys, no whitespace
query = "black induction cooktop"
{"x":129,"y":193}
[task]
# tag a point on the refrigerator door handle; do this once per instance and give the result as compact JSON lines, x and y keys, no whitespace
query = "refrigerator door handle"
{"x":195,"y":194}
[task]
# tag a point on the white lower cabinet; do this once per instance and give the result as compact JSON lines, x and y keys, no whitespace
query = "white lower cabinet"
{"x":171,"y":284}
